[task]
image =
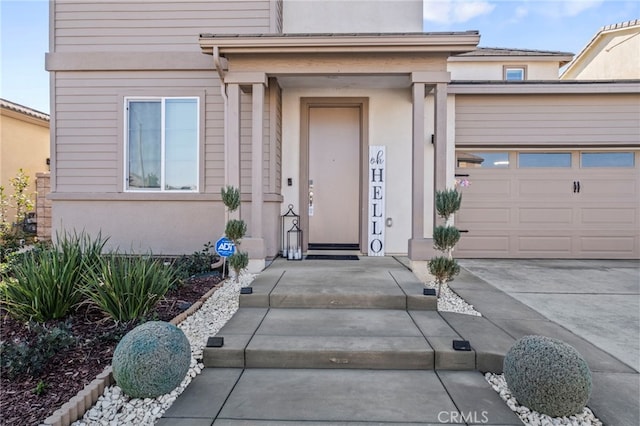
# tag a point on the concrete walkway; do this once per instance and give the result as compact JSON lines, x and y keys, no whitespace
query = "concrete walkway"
{"x":355,"y":342}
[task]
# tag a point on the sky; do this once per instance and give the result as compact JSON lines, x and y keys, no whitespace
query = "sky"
{"x":557,"y":25}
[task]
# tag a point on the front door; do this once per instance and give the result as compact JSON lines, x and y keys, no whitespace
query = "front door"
{"x":334,"y":177}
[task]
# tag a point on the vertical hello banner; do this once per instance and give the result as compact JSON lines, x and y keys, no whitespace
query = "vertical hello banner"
{"x":376,"y":176}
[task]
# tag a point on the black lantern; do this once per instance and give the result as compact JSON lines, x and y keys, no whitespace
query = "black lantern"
{"x":294,"y":242}
{"x":287,"y":220}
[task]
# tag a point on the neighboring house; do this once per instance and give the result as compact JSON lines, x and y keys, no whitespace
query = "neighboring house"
{"x":24,"y":144}
{"x":286,"y":99}
{"x":612,"y":54}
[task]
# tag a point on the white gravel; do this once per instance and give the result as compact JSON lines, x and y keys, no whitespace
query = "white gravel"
{"x":449,"y":301}
{"x":533,"y":418}
{"x":114,"y":408}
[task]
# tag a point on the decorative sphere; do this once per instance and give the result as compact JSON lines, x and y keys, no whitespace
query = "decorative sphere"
{"x":151,"y":360}
{"x":547,"y":375}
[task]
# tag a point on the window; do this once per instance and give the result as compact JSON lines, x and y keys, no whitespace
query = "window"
{"x":544,"y":159}
{"x":485,"y":160}
{"x":162,"y":141}
{"x":514,"y":73}
{"x":607,"y":159}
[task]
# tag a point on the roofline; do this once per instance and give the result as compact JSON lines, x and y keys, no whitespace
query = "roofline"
{"x":12,"y":106}
{"x":623,"y":26}
{"x":577,"y":87}
{"x":562,"y":60}
{"x":336,"y":43}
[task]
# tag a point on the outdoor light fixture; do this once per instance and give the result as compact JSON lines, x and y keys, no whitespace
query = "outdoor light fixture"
{"x":461,"y":345}
{"x":215,"y":342}
{"x":289,"y":217}
{"x":246,"y":290}
{"x":294,"y":242}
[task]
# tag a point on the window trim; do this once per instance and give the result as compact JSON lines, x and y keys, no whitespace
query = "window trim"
{"x":506,"y":68}
{"x":125,"y":133}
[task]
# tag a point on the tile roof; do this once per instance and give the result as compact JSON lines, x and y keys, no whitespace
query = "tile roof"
{"x":498,"y":51}
{"x":23,"y":109}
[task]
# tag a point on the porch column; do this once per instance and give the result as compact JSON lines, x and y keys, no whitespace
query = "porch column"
{"x":257,"y":143}
{"x":440,"y":146}
{"x":421,"y":248}
{"x":417,"y":173}
{"x":232,"y":140}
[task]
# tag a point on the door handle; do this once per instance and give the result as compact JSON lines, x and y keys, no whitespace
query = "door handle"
{"x":578,"y":186}
{"x":310,"y":198}
{"x":575,"y":186}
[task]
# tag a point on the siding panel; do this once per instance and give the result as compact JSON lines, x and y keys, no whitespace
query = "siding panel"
{"x":154,"y":25}
{"x":547,"y":120}
{"x":89,"y":124}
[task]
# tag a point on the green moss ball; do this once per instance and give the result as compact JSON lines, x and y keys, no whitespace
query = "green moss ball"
{"x":547,"y":375}
{"x":151,"y":360}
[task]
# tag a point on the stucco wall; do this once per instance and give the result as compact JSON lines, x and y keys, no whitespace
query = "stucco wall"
{"x":615,"y":56}
{"x":389,"y":125}
{"x":24,"y":144}
{"x":471,"y":70}
{"x":339,"y":16}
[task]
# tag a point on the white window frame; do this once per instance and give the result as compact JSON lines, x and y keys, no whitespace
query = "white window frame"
{"x":507,"y":68}
{"x":162,"y":99}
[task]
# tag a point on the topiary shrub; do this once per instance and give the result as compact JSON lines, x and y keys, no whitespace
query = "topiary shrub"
{"x":547,"y":375}
{"x":151,"y":360}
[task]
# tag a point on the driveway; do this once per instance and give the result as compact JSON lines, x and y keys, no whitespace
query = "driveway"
{"x":598,"y":300}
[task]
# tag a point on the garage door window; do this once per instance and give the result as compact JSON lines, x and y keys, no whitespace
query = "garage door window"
{"x":607,"y":159}
{"x":485,"y":160}
{"x":544,"y":159}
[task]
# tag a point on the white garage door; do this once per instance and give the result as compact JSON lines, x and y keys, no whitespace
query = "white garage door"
{"x":552,"y":204}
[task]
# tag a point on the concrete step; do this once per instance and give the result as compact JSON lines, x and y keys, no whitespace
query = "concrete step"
{"x":345,"y":338}
{"x":347,"y":287}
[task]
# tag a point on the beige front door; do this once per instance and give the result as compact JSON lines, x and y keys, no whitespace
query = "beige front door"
{"x":334,"y":175}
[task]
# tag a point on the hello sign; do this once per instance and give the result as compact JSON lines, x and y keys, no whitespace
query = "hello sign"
{"x":376,"y":176}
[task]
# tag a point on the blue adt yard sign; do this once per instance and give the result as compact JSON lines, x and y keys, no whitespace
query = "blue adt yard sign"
{"x":225,"y":247}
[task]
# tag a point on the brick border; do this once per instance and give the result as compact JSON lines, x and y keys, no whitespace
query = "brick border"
{"x":78,"y":405}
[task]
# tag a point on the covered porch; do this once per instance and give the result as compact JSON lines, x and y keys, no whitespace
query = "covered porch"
{"x":395,"y":85}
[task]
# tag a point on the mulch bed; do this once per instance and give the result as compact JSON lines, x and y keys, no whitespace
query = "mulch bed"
{"x":70,"y":370}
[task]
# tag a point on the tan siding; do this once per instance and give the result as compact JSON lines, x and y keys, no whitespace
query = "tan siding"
{"x":547,"y":120}
{"x":153,"y":25}
{"x":89,"y":119}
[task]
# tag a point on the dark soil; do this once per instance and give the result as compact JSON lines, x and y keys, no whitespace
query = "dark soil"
{"x":69,"y":371}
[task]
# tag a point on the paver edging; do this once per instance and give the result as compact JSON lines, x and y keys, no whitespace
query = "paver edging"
{"x":82,"y":402}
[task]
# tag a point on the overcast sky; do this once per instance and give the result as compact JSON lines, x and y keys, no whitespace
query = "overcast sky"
{"x":558,"y":25}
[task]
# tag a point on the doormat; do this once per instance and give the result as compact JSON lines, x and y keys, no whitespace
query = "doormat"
{"x":332,"y":257}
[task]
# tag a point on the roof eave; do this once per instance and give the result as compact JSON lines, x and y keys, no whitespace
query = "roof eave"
{"x":454,"y":43}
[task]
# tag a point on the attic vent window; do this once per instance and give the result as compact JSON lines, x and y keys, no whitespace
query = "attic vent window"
{"x":514,"y":73}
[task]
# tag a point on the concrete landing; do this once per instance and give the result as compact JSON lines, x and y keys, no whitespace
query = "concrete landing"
{"x":363,"y":397}
{"x":369,"y":283}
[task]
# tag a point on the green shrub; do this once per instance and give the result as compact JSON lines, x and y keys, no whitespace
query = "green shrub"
{"x":448,"y":202}
{"x":198,"y":263}
{"x":151,"y":360}
{"x":127,"y":288}
{"x":235,"y":230}
{"x":443,"y":270}
{"x":547,"y":375}
{"x":445,"y":238}
{"x":238,"y":261}
{"x":31,"y":356}
{"x":90,"y":247}
{"x":45,"y":286}
{"x":230,"y":197}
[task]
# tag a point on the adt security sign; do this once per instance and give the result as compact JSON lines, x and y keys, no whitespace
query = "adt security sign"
{"x":225,"y":247}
